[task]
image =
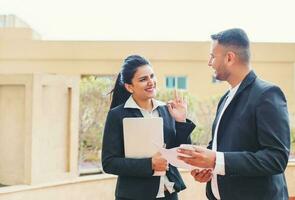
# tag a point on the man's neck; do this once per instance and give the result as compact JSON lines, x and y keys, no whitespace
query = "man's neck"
{"x":237,"y":78}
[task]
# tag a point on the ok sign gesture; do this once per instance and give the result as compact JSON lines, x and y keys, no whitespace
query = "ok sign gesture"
{"x":177,"y":107}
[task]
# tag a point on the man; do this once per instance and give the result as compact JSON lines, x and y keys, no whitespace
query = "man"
{"x":251,"y":136}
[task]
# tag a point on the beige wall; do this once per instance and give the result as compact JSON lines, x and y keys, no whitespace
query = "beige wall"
{"x":272,"y":61}
{"x":12,"y":163}
{"x":38,"y":128}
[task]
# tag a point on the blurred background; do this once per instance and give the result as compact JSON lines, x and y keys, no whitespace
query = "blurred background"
{"x":88,"y":40}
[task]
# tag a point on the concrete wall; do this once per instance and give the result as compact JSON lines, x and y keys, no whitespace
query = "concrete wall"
{"x":12,"y":163}
{"x":272,"y":61}
{"x":38,"y":128}
{"x":102,"y":187}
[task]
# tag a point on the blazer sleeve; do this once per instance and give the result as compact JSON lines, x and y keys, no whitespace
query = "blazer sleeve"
{"x":210,"y":144}
{"x":183,"y":131}
{"x":113,"y":158}
{"x":273,"y":135}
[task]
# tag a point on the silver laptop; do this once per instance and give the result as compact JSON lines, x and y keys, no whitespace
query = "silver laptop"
{"x":142,"y":136}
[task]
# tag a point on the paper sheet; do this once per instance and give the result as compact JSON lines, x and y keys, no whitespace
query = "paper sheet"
{"x":171,"y":156}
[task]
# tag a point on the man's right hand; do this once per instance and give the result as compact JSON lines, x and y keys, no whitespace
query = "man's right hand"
{"x":159,"y":163}
{"x":202,"y":176}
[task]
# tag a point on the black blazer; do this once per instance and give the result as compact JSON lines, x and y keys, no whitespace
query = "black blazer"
{"x":254,"y":135}
{"x":135,"y":176}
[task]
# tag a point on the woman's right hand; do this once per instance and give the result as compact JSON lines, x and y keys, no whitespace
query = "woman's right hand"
{"x":159,"y":163}
{"x":177,"y":108}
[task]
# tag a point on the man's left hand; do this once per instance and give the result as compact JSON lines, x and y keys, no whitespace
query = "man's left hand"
{"x":200,"y":157}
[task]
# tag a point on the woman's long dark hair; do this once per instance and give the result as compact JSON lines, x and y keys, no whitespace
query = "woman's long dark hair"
{"x":129,"y":67}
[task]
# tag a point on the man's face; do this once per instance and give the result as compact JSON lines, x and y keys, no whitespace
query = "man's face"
{"x":217,"y":61}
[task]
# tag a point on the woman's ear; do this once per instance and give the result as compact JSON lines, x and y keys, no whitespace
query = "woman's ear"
{"x":128,"y":87}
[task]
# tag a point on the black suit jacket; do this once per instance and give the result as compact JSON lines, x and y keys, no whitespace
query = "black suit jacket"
{"x":254,"y":135}
{"x":135,"y":176}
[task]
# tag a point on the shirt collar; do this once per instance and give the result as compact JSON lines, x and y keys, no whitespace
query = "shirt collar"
{"x":130,"y":103}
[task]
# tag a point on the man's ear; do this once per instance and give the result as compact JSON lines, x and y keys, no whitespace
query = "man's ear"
{"x":128,"y":87}
{"x":231,"y":57}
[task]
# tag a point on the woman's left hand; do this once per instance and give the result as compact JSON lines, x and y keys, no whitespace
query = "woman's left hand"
{"x":177,"y":108}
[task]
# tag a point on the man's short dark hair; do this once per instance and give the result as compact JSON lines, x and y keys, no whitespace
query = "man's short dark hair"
{"x":237,"y":40}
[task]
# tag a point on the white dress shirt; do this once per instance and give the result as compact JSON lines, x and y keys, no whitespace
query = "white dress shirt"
{"x":219,"y":164}
{"x":164,"y":182}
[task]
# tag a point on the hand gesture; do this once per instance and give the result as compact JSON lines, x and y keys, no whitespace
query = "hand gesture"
{"x":177,"y":108}
{"x":199,"y":157}
{"x":202,"y":176}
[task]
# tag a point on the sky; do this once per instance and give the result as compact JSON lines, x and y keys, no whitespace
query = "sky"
{"x":155,"y":20}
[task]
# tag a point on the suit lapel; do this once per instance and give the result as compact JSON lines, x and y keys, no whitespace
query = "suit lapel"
{"x":248,"y":80}
{"x":134,"y":112}
{"x":251,"y":76}
{"x":217,"y":112}
{"x":166,"y":124}
{"x":161,"y":112}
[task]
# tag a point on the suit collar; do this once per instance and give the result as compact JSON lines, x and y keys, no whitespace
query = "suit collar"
{"x":130,"y":103}
{"x":161,"y":110}
{"x":250,"y":77}
{"x":248,"y":80}
{"x":137,"y":113}
{"x":136,"y":110}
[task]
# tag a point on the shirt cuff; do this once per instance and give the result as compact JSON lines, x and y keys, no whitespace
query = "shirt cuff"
{"x":219,"y":164}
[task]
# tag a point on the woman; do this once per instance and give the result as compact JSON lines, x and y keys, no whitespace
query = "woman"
{"x":133,"y":96}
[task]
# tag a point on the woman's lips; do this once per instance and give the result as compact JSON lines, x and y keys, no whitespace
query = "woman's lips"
{"x":150,"y":89}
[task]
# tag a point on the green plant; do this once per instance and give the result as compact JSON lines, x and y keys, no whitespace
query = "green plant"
{"x":292,"y":134}
{"x":292,"y":154}
{"x":94,"y":105}
{"x":202,"y":112}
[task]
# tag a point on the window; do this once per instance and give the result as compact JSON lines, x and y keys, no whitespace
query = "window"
{"x":179,"y":82}
{"x":170,"y":82}
{"x":94,"y":106}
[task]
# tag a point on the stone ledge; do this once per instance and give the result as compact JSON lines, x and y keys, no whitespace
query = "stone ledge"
{"x":18,"y":188}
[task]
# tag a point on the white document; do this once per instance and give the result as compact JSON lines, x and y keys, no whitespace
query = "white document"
{"x":142,"y":136}
{"x":171,"y":156}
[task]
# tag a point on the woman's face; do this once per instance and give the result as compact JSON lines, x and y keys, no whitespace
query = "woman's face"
{"x":143,"y":84}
